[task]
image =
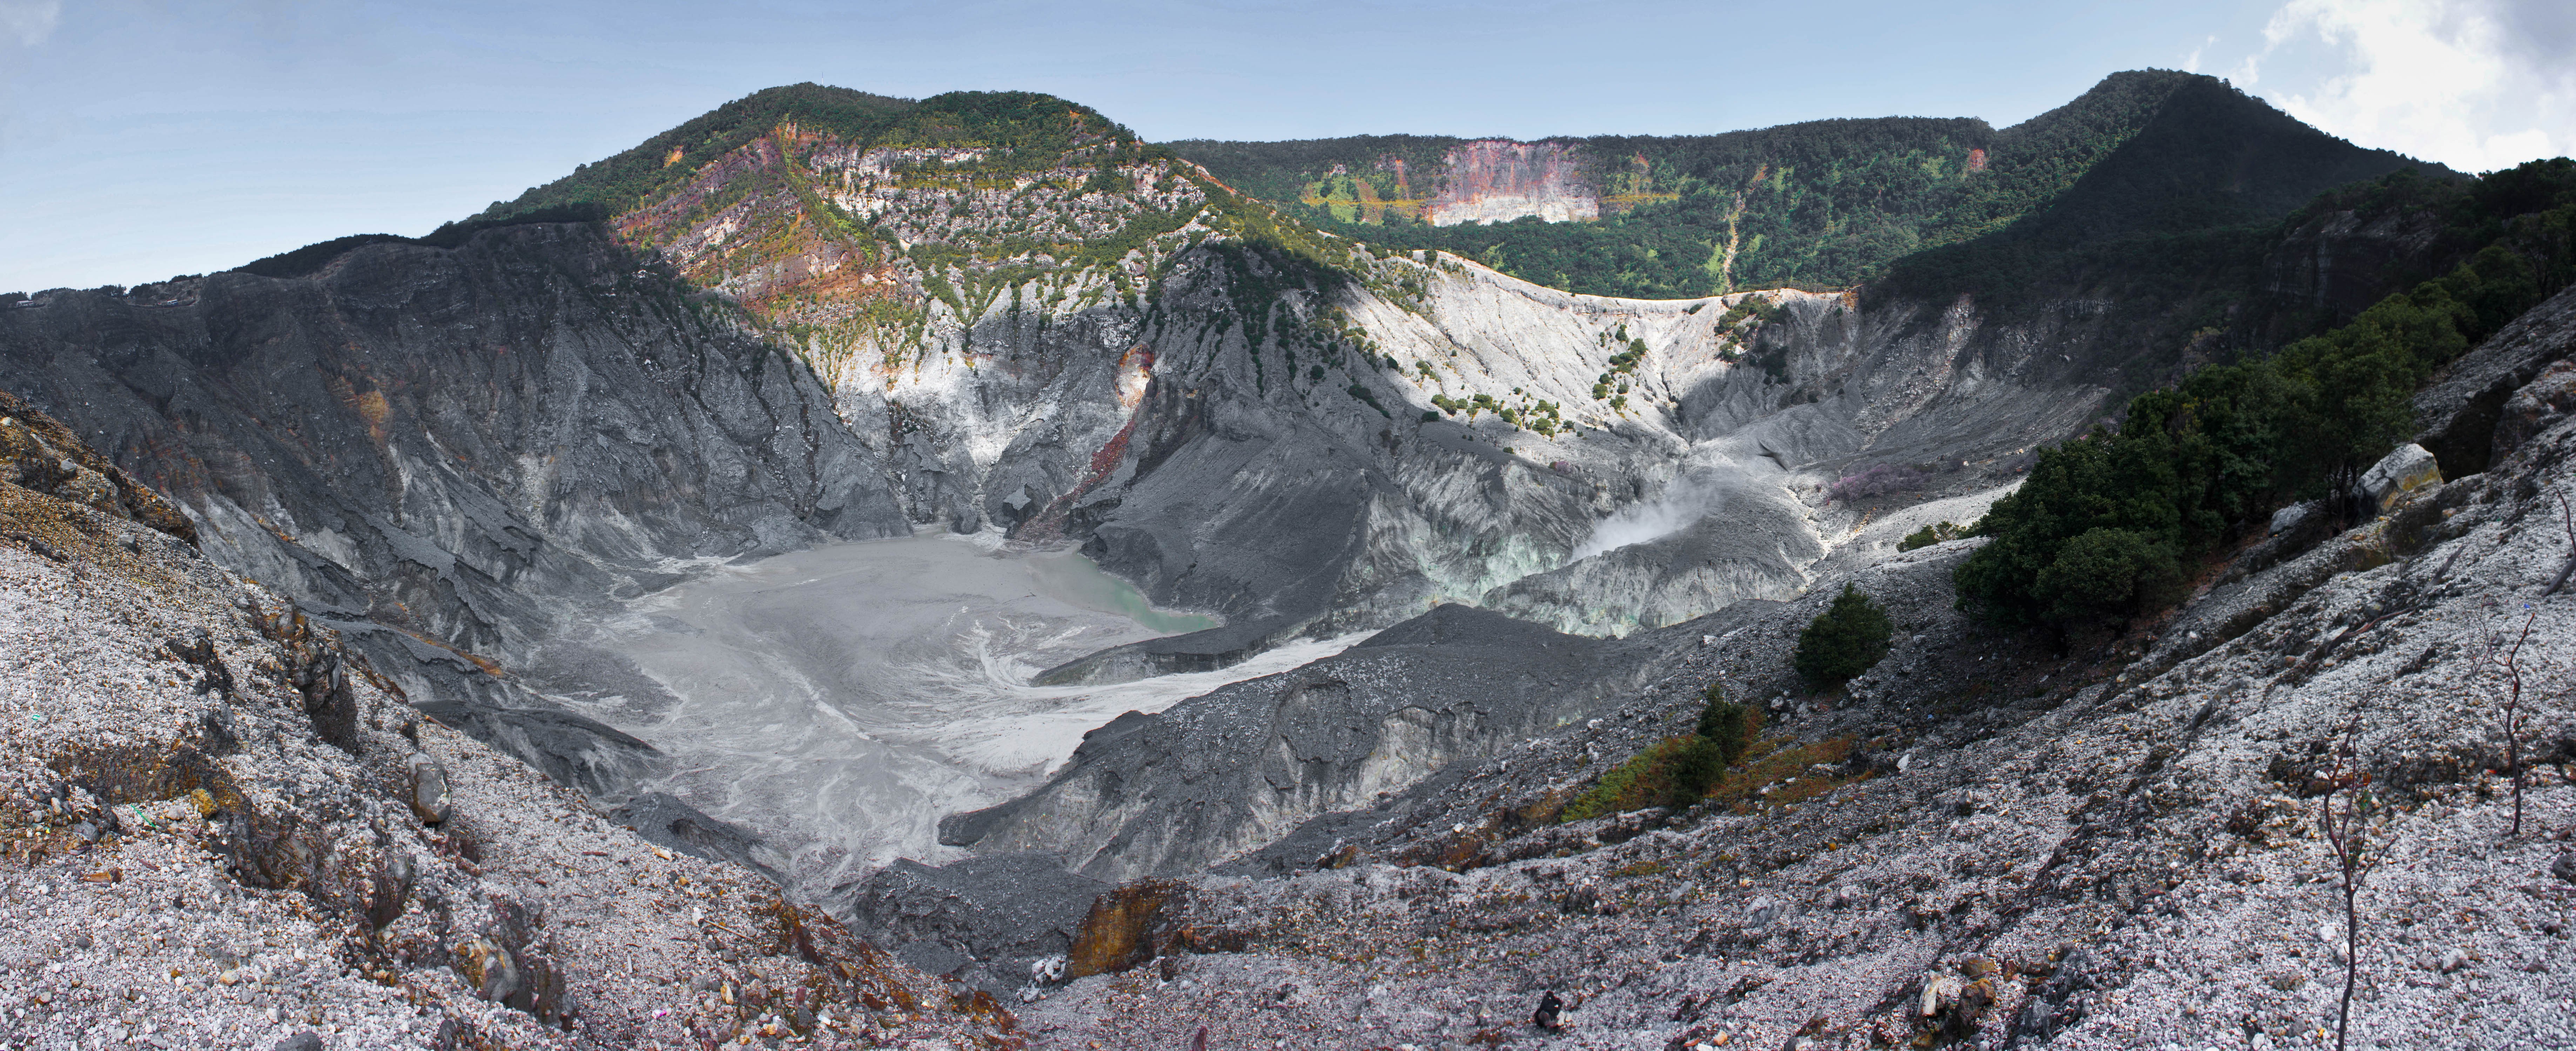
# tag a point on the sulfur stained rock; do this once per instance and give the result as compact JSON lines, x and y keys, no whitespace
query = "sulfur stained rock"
{"x":488,"y":968}
{"x":1124,"y":928}
{"x":2403,"y":471}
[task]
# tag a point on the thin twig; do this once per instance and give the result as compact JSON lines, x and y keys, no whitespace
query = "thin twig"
{"x":2347,"y":834}
{"x":2511,"y":662}
{"x":2570,"y":567}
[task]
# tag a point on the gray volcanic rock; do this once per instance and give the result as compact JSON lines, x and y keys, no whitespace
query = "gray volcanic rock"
{"x":1213,"y":775}
{"x":2115,"y":846}
{"x":995,"y":920}
{"x":2463,"y":415}
{"x":198,"y":855}
{"x":661,"y":818}
{"x":447,"y":452}
{"x":1741,"y":546}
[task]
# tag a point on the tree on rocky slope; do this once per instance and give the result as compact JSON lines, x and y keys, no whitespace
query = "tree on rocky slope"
{"x":2192,"y":468}
{"x":2110,"y":573}
{"x":1843,"y":641}
{"x":2508,"y":664}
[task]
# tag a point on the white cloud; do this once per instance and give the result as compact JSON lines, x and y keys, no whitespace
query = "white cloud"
{"x":2191,"y":63}
{"x":2474,"y":84}
{"x":31,"y":21}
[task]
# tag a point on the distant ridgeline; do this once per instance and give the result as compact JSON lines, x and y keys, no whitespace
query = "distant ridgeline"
{"x":1826,"y":203}
{"x":312,"y":257}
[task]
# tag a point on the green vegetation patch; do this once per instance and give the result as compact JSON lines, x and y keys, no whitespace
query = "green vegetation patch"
{"x":1676,"y":771}
{"x":1834,"y":203}
{"x":1022,"y":129}
{"x":1845,"y":640}
{"x":2103,"y":524}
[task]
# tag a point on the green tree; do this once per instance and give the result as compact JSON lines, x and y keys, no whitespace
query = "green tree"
{"x":2113,"y":573}
{"x":1725,"y":731}
{"x":1844,"y":641}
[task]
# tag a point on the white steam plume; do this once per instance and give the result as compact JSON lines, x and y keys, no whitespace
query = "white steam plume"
{"x":1683,"y":502}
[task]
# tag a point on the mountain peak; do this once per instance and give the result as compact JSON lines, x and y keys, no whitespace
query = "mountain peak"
{"x":1009,"y":120}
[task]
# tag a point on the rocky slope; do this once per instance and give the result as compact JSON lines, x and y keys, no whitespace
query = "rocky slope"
{"x":1239,"y":767}
{"x":979,"y":312}
{"x":1004,"y":312}
{"x":1980,"y":843}
{"x":223,"y":828}
{"x":444,"y":454}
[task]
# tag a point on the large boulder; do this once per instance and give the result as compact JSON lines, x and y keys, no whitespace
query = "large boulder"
{"x":2409,"y":468}
{"x":992,"y":922}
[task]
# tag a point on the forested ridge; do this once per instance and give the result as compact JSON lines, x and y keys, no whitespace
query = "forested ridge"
{"x":2108,"y":525}
{"x":1017,"y":128}
{"x":1834,"y":203}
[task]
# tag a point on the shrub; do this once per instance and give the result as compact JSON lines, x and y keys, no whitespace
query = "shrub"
{"x":1729,"y":724}
{"x":1930,"y":535}
{"x":1642,"y":781}
{"x":1725,"y":730}
{"x":1677,"y":771}
{"x":1844,"y":641}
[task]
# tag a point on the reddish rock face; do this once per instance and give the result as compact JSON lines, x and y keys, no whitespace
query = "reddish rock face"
{"x":1498,"y":180}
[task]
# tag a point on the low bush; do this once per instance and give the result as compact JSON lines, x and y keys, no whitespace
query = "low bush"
{"x":1676,"y":771}
{"x":1930,"y":535}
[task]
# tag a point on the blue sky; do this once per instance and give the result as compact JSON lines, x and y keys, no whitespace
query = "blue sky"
{"x":145,"y":138}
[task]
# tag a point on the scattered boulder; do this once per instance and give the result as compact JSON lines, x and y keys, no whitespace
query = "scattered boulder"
{"x":1550,"y":1015}
{"x":318,"y":668}
{"x":2409,"y":468}
{"x":429,"y":797}
{"x":2536,"y":407}
{"x":1951,"y":1005}
{"x":2289,"y":518}
{"x":502,"y":963}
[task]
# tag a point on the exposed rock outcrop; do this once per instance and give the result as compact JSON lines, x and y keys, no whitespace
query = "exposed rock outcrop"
{"x":1981,"y":841}
{"x":1497,"y":181}
{"x":443,"y":453}
{"x":193,"y":850}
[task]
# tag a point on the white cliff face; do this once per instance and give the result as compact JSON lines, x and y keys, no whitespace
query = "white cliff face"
{"x":1497,"y":181}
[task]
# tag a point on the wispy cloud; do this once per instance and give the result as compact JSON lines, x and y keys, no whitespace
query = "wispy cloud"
{"x":31,"y":21}
{"x":2474,"y":84}
{"x":2191,"y":63}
